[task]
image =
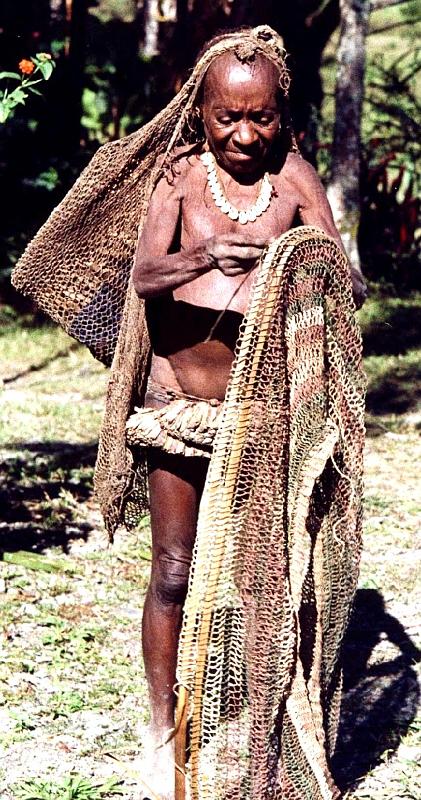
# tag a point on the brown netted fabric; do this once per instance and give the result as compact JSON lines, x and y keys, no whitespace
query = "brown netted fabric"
{"x":77,"y":267}
{"x":276,"y":559}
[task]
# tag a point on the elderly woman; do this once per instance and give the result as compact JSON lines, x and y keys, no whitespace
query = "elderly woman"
{"x":225,"y":184}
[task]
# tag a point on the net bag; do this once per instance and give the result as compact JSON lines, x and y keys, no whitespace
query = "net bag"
{"x":276,"y":559}
{"x":77,"y":268}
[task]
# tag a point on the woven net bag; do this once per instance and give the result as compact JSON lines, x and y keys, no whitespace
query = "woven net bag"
{"x":276,"y":560}
{"x":77,"y":268}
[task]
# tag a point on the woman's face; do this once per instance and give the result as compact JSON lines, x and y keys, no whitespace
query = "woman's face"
{"x":241,"y":113}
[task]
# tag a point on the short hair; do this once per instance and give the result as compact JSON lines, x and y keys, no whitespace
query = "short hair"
{"x":193,"y":131}
{"x":248,"y":56}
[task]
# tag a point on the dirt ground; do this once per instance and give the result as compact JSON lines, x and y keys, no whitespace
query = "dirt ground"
{"x":72,"y":693}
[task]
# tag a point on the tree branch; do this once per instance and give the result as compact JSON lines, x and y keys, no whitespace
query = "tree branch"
{"x":402,"y":56}
{"x":377,"y":5}
{"x":392,"y":25}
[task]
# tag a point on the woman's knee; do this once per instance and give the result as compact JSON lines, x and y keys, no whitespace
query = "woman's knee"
{"x":170,"y":577}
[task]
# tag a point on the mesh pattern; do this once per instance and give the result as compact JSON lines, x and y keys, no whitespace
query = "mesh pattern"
{"x":276,"y":559}
{"x":77,"y":267}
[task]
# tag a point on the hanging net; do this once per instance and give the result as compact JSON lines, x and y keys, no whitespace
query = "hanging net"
{"x":77,"y":267}
{"x":276,"y":559}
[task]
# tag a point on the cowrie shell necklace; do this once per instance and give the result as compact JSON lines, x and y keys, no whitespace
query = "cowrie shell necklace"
{"x":248,"y":215}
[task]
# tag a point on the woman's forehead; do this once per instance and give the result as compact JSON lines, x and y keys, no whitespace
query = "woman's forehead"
{"x":229,"y":78}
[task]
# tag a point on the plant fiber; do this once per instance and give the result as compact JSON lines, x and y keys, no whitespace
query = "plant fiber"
{"x":77,"y":268}
{"x":276,"y":560}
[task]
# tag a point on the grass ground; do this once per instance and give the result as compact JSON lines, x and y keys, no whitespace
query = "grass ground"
{"x":72,"y":695}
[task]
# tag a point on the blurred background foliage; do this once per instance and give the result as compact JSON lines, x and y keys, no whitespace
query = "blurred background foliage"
{"x":119,"y":61}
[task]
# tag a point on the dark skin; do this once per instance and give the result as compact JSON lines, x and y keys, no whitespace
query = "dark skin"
{"x":187,"y":283}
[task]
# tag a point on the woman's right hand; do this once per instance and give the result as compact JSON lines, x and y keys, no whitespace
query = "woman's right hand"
{"x":232,"y":254}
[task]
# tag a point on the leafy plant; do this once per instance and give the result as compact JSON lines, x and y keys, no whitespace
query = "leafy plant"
{"x":22,"y":723}
{"x":72,"y":788}
{"x":392,"y":119}
{"x":66,"y":703}
{"x":42,"y":64}
{"x":390,"y":179}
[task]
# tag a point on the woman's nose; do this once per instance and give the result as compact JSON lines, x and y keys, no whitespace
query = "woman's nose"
{"x":245,"y":134}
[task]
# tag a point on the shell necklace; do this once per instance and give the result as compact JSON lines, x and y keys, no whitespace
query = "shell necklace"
{"x":248,"y":215}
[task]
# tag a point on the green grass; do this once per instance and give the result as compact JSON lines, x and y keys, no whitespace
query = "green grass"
{"x":392,"y":339}
{"x":73,"y":700}
{"x":73,"y":788}
{"x":66,"y":406}
{"x":68,"y":673}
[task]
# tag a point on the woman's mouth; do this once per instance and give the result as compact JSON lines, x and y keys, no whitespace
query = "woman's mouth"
{"x":241,"y":156}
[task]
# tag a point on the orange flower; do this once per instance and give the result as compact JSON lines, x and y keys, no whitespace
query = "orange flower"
{"x":26,"y":67}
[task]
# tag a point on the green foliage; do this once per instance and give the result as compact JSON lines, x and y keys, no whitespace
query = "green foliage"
{"x":42,"y":64}
{"x":22,"y":722}
{"x":48,"y":179}
{"x":391,"y":132}
{"x":73,"y":788}
{"x":392,"y":118}
{"x":97,"y":100}
{"x":109,"y":10}
{"x":65,"y":703}
{"x":391,"y":177}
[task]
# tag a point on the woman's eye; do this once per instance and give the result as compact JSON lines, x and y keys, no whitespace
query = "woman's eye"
{"x":264,"y":119}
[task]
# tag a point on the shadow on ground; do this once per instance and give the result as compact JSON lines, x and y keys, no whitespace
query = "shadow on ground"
{"x":395,"y":392}
{"x":41,"y":484}
{"x":42,"y":364}
{"x":393,"y":337}
{"x":397,"y":330}
{"x":380,"y":700}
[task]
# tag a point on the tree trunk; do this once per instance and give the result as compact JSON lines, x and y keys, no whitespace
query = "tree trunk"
{"x":344,"y":186}
{"x":76,"y":67}
{"x":306,"y":31}
{"x":151,"y":29}
{"x":56,"y":11}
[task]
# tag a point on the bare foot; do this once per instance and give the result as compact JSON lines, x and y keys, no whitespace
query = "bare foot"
{"x":156,"y":769}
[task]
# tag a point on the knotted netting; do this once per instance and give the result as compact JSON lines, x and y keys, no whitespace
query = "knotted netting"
{"x":77,"y":268}
{"x":276,"y":559}
{"x":275,"y":566}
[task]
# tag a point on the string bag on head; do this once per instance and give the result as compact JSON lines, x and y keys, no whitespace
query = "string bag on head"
{"x":77,"y":268}
{"x":247,"y":52}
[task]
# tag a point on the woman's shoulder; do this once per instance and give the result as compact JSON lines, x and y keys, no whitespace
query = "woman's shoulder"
{"x":183,"y":168}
